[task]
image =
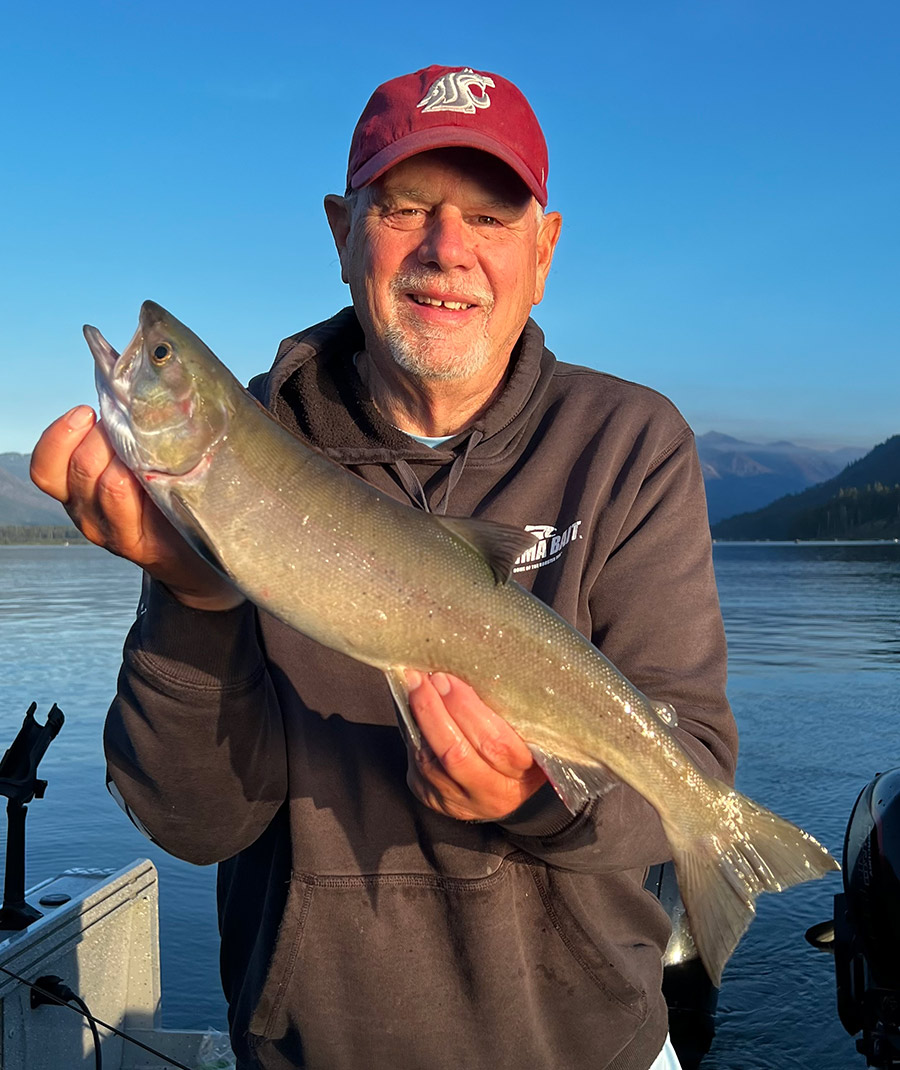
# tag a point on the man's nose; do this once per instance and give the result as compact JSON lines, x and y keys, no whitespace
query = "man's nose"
{"x":448,"y":242}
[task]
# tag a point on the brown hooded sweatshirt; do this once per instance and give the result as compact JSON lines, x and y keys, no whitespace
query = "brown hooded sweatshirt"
{"x":360,"y":929}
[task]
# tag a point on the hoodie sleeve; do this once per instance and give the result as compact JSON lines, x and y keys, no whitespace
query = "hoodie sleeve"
{"x":655,"y":614}
{"x":194,"y":738}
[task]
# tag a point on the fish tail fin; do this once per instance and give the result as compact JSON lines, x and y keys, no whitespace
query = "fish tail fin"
{"x":721,"y":873}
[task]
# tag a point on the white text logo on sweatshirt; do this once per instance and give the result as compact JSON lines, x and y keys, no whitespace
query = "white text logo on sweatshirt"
{"x":548,"y":546}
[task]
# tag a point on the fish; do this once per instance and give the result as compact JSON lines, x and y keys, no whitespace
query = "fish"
{"x":398,"y":588}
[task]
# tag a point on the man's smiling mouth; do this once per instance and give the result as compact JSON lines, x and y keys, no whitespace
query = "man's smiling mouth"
{"x":435,"y":302}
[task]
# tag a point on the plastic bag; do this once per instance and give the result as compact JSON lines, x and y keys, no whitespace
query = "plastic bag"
{"x":215,"y":1052}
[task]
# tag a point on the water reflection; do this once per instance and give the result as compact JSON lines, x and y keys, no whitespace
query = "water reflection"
{"x":64,"y":613}
{"x":810,"y":607}
{"x":814,"y":649}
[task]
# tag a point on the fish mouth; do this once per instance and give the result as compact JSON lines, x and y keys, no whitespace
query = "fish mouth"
{"x":113,"y":371}
{"x":105,"y":357}
{"x":112,"y":375}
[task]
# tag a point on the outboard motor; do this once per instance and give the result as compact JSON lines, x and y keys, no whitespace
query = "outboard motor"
{"x":690,"y":994}
{"x":867,"y":923}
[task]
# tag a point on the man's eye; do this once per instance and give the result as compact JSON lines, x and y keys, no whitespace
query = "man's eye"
{"x":406,"y":217}
{"x":488,"y":221}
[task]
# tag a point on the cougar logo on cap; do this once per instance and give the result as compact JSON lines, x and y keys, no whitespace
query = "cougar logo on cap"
{"x":454,"y":92}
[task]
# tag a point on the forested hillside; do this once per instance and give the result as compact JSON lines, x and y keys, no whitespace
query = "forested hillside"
{"x":862,"y":502}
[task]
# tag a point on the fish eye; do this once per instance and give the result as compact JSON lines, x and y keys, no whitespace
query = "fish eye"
{"x":161,"y":354}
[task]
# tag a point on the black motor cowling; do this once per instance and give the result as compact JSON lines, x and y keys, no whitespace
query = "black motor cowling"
{"x":867,"y":923}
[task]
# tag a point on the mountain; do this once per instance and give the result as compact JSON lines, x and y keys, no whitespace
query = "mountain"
{"x":17,"y":464}
{"x":20,"y":500}
{"x":740,"y":477}
{"x":744,"y":476}
{"x":862,"y":501}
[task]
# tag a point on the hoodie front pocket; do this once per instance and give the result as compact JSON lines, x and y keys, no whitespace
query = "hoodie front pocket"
{"x":283,"y":961}
{"x":433,"y":972}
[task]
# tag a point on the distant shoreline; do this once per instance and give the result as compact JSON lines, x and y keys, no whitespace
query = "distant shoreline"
{"x":41,"y":535}
{"x":69,"y":535}
{"x":805,"y":542}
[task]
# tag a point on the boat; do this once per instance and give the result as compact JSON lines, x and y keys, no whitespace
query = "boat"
{"x":79,"y":953}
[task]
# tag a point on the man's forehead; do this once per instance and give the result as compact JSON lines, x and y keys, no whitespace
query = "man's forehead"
{"x":471,"y":170}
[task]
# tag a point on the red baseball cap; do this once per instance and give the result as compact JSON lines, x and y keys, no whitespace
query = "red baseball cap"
{"x":442,"y":107}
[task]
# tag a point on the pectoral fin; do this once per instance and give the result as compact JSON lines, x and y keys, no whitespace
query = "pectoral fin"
{"x":396,"y":678}
{"x":576,"y":783}
{"x":192,"y":532}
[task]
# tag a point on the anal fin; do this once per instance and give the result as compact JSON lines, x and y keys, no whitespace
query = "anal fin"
{"x":576,"y":783}
{"x":396,"y":678}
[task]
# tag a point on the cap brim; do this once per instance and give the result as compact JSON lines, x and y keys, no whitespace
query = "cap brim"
{"x":444,"y":138}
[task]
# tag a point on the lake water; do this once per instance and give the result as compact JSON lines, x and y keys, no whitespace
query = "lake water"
{"x":814,"y":639}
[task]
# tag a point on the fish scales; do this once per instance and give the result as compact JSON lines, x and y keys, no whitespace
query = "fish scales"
{"x":397,"y":588}
{"x":286,"y":531}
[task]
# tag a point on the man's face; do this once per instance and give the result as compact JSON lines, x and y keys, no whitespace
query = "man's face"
{"x":445,"y":256}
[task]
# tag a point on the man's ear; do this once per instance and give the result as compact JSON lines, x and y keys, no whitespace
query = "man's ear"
{"x":548,"y":235}
{"x":337,"y":209}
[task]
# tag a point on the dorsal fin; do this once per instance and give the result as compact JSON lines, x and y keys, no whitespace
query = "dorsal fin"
{"x":498,"y":544}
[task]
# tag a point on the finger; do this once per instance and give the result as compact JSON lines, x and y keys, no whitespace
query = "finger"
{"x":493,"y":738}
{"x":88,"y":462}
{"x":122,"y":509}
{"x":93,"y":468}
{"x":52,"y":454}
{"x":431,"y":786}
{"x":474,"y":792}
{"x":443,"y":741}
{"x":100,"y":494}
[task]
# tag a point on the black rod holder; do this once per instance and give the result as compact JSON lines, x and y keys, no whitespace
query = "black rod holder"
{"x":20,"y":784}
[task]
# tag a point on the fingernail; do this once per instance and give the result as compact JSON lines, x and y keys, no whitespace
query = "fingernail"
{"x":79,"y":417}
{"x":441,"y":683}
{"x":413,"y":679}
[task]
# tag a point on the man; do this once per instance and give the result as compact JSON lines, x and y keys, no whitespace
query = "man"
{"x":437,"y":908}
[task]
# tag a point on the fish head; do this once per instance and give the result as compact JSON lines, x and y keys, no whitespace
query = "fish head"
{"x":166,"y":399}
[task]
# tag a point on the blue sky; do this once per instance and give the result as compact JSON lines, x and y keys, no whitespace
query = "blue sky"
{"x":728,"y":172}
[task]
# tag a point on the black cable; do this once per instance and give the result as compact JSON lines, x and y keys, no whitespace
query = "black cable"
{"x":56,"y":987}
{"x":98,"y":1055}
{"x":46,"y":996}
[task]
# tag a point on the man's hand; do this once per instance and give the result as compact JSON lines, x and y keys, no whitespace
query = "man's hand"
{"x":75,"y":463}
{"x":473,"y":766}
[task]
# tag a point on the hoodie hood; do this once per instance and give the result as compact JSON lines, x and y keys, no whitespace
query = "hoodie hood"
{"x":314,"y":389}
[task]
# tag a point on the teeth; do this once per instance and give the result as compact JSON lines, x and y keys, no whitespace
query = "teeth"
{"x":454,"y":305}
